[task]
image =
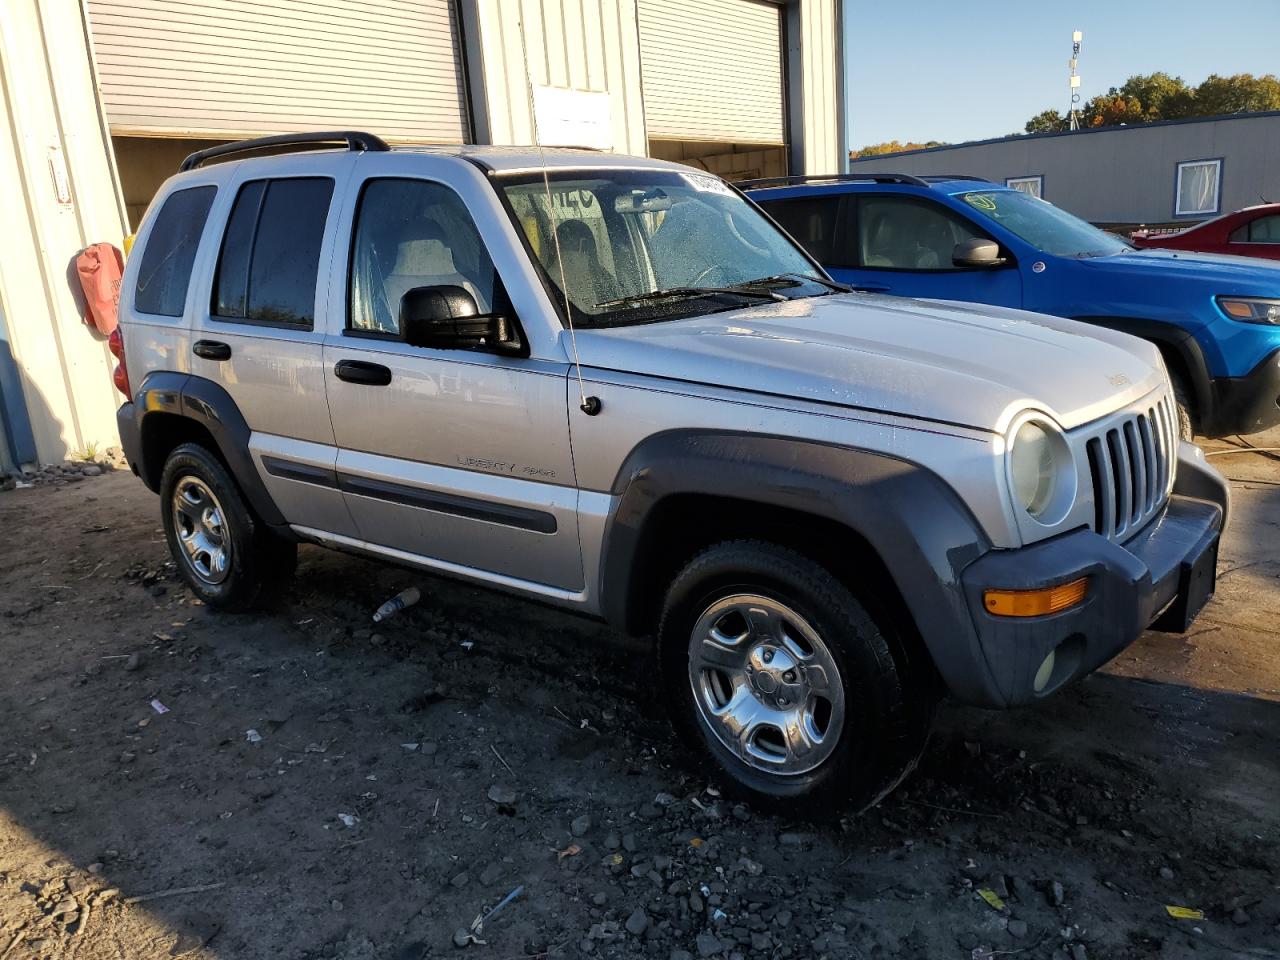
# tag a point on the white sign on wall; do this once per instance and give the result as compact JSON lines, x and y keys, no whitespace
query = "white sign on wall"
{"x":573,"y":118}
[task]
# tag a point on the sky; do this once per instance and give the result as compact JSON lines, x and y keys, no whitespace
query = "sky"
{"x":952,"y":70}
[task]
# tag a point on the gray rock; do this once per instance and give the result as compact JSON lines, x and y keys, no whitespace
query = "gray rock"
{"x":1239,"y":917}
{"x":1018,"y":928}
{"x":501,"y":793}
{"x":461,"y":937}
{"x":629,"y":842}
{"x":783,"y":918}
{"x":91,"y":470}
{"x":649,"y":811}
{"x":794,"y":839}
{"x":1078,"y":952}
{"x":1059,"y":895}
{"x":1166,"y":873}
{"x":680,"y":955}
{"x":740,"y":812}
{"x":580,"y":825}
{"x":708,"y":945}
{"x":132,"y":662}
{"x":612,"y":841}
{"x":461,"y":880}
{"x":600,"y":898}
{"x":638,"y":922}
{"x":492,"y":873}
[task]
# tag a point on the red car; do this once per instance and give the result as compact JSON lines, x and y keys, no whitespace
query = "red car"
{"x":1251,"y":232}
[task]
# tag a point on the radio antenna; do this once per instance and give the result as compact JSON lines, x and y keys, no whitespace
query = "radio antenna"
{"x":588,"y":405}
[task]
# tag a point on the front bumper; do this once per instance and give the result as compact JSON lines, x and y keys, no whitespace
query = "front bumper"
{"x":1130,"y":585}
{"x":1250,"y":403}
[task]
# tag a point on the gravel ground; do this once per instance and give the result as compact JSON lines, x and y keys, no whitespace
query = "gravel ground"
{"x":300,"y":784}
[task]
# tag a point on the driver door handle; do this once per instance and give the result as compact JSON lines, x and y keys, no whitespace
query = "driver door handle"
{"x":359,"y":371}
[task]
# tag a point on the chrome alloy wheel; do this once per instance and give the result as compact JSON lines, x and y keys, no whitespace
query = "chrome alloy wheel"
{"x":199,"y":525}
{"x":766,"y":684}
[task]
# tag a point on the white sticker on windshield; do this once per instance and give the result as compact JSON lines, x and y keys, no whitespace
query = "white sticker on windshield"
{"x":707,"y":184}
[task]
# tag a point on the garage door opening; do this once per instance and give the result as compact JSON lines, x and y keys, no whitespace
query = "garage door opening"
{"x":144,"y":163}
{"x":733,"y":161}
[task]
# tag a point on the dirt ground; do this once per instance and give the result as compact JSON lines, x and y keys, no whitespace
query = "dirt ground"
{"x":314,"y":788}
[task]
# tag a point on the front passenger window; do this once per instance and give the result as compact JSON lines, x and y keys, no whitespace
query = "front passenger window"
{"x":412,"y":233}
{"x":904,"y":233}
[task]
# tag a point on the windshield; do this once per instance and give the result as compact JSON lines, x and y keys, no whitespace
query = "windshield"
{"x":635,"y":246}
{"x":1043,"y":225}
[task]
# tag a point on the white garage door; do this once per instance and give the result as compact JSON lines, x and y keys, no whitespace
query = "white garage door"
{"x":235,"y":68}
{"x":712,"y":70}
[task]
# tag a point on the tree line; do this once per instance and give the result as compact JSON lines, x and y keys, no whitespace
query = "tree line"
{"x":1143,"y":98}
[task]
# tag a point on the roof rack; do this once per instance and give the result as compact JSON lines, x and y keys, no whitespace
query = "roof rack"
{"x":354,"y":139}
{"x":941,"y":177}
{"x":832,"y":178}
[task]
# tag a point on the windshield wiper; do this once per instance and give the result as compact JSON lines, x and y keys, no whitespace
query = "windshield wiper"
{"x":673,"y":293}
{"x":795,"y":279}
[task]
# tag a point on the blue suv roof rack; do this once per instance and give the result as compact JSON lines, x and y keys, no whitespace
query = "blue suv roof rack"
{"x":832,"y":178}
{"x":354,"y":139}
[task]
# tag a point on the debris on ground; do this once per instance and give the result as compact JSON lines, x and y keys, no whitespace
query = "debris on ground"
{"x":405,"y":598}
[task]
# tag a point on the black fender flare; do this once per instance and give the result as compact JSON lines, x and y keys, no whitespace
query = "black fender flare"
{"x":923,"y":533}
{"x":1181,"y":343}
{"x":209,"y":405}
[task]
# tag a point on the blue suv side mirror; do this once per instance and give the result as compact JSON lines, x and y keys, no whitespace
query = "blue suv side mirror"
{"x":977,"y":252}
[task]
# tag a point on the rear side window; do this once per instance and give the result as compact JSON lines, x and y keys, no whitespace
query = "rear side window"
{"x":271,"y":252}
{"x":812,"y":221}
{"x":171,"y":250}
{"x":1262,"y":230}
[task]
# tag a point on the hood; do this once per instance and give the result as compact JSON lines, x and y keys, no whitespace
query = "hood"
{"x":1219,"y":272}
{"x":965,"y":364}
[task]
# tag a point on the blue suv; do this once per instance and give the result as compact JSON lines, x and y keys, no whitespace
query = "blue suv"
{"x":1215,"y":318}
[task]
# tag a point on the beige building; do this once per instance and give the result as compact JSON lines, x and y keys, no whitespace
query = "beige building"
{"x":743,"y":88}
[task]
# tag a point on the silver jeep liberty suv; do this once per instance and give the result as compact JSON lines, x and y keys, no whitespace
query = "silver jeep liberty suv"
{"x":615,"y":385}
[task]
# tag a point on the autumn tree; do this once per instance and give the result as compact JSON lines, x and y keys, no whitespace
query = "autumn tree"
{"x":892,"y":146}
{"x":1242,"y":93}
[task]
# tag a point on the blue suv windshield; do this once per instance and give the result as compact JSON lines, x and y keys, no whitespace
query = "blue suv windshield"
{"x":1043,"y":225}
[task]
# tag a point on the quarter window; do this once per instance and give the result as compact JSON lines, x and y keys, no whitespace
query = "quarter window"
{"x":1034,"y":186}
{"x":812,"y":222}
{"x":1198,"y":187}
{"x":271,"y":252}
{"x":165,"y":272}
{"x":902,"y":233}
{"x":413,"y":233}
{"x":1262,"y":230}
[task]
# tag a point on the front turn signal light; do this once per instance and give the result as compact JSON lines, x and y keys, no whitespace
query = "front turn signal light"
{"x":1035,"y":603}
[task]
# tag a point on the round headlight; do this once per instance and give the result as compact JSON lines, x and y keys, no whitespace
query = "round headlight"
{"x":1033,"y":468}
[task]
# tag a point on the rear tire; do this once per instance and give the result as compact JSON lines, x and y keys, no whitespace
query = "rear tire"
{"x":778,"y":674}
{"x":224,"y":552}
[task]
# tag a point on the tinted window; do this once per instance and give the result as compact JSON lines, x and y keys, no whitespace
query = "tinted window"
{"x":812,"y":221}
{"x":171,"y":249}
{"x":902,"y":233}
{"x":411,"y":233}
{"x":271,"y":252}
{"x":1262,"y":230}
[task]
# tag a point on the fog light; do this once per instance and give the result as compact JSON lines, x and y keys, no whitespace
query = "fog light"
{"x":1045,"y":672}
{"x":1035,"y":603}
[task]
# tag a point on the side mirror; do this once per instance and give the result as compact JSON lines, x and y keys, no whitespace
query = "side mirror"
{"x":446,"y":317}
{"x":976,"y":252}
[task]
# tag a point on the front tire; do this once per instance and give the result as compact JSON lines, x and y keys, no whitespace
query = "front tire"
{"x":780,"y":676}
{"x":224,"y":552}
{"x":1184,"y":404}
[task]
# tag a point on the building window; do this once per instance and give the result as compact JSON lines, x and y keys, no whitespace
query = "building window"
{"x":1199,"y":186}
{"x":1031,"y":185}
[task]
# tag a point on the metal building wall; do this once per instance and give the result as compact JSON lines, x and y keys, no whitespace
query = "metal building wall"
{"x":817,"y":112}
{"x":53,"y":141}
{"x":586,"y":46}
{"x":1122,"y":175}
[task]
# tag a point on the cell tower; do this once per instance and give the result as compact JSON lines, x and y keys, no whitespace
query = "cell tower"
{"x":1073,"y":113}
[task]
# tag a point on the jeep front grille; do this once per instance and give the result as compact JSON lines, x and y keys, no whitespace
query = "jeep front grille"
{"x":1131,"y":460}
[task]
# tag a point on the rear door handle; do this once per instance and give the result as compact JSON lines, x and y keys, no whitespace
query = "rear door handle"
{"x":212,"y":350}
{"x":358,"y":371}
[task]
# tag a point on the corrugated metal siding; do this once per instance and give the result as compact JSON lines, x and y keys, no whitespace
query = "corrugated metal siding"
{"x":576,"y":44}
{"x":712,"y":70}
{"x":235,"y":68}
{"x":820,"y":94}
{"x":48,"y":109}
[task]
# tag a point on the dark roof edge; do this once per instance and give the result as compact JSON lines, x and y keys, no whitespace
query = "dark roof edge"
{"x":1019,"y":137}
